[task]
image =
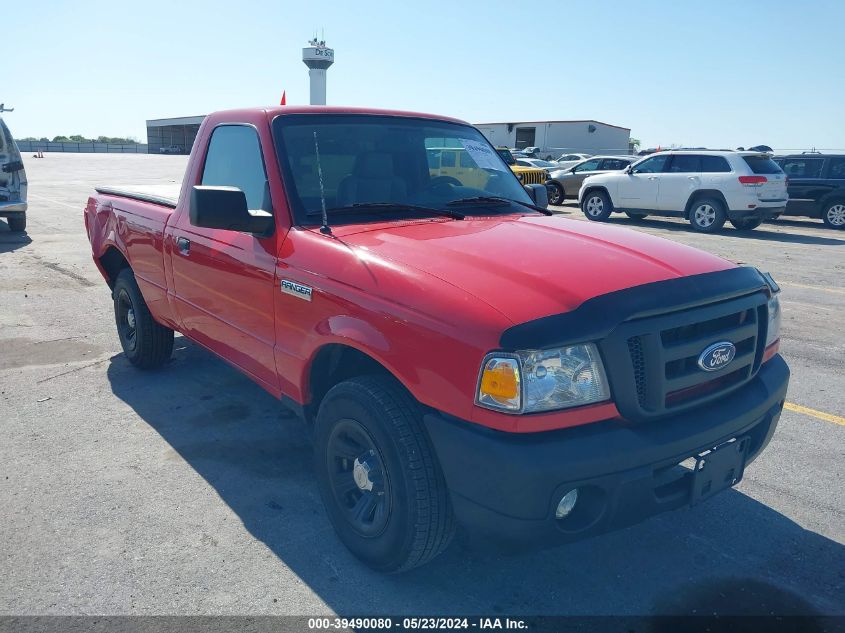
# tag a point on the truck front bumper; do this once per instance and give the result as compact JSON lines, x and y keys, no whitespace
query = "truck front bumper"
{"x":507,"y":486}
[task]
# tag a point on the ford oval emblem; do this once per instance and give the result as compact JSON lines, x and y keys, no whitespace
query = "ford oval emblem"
{"x":717,"y":356}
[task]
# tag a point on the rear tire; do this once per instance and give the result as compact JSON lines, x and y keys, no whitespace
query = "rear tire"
{"x":707,"y":215}
{"x":17,"y":223}
{"x":833,"y":214}
{"x":378,"y":475}
{"x":596,"y":206}
{"x":636,"y":216}
{"x":556,"y":193}
{"x":146,"y":343}
{"x":747,"y":224}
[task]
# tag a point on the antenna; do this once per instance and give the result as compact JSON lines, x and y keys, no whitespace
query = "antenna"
{"x":3,"y":108}
{"x":325,"y":228}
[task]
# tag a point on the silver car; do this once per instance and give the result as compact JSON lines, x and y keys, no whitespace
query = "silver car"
{"x":565,"y":183}
{"x":568,"y":160}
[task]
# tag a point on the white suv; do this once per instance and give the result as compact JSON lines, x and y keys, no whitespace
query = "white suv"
{"x":705,"y":187}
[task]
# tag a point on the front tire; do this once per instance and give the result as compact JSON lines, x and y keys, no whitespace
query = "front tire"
{"x":17,"y":223}
{"x":746,"y":224}
{"x":834,"y":214}
{"x":556,"y":193}
{"x":146,"y":343}
{"x":707,"y":215}
{"x":596,"y":206}
{"x":378,"y":475}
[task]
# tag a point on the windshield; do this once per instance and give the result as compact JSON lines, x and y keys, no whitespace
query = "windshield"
{"x":366,"y":161}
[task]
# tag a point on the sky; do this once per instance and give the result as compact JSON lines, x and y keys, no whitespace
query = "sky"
{"x":693,"y":73}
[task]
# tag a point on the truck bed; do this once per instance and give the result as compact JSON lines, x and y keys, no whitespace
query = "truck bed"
{"x":165,"y":195}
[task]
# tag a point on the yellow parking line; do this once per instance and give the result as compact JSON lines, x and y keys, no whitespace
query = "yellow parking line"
{"x":821,"y":415}
{"x":809,"y":287}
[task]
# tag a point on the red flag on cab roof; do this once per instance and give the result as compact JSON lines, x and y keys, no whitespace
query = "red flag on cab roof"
{"x":284,"y":101}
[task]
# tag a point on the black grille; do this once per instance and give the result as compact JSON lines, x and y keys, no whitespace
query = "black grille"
{"x":663,"y":375}
{"x":635,"y":347}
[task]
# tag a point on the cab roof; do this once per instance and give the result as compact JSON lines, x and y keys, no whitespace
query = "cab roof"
{"x":274,"y":111}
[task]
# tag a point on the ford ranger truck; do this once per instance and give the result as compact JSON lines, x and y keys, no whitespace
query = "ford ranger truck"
{"x":464,"y":359}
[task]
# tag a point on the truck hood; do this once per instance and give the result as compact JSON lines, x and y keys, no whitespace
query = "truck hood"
{"x":527,"y":267}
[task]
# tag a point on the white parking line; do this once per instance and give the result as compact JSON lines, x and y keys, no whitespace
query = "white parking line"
{"x":64,"y":204}
{"x":839,"y":291}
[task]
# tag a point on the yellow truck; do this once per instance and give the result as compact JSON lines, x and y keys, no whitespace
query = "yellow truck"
{"x":457,"y":163}
{"x":526,"y":175}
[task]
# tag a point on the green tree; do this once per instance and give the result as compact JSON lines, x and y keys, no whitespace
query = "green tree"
{"x":61,"y":139}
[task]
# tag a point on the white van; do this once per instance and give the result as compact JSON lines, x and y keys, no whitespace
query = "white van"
{"x":12,"y":181}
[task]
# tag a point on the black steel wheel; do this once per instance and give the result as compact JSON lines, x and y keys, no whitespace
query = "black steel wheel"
{"x":378,"y":475}
{"x":358,"y":478}
{"x":146,"y":343}
{"x":127,"y":325}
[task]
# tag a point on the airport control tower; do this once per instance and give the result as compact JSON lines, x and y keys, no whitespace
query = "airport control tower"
{"x":318,"y":57}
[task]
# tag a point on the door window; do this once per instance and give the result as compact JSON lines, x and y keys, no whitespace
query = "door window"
{"x":234,"y":160}
{"x":613,"y":164}
{"x":715,"y":164}
{"x":652,"y":165}
{"x":590,"y":165}
{"x":802,"y":167}
{"x":685,"y":164}
{"x":837,"y":168}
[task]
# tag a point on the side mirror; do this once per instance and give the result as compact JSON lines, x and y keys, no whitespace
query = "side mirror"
{"x":539,"y":195}
{"x":629,"y":169}
{"x":225,"y":208}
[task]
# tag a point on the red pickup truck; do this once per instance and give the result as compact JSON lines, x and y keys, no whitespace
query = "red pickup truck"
{"x":463,"y":358}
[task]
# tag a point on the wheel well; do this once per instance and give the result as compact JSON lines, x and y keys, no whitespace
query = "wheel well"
{"x":834,"y":196}
{"x":597,"y":188}
{"x":705,"y":193}
{"x":113,"y":262}
{"x":335,"y":363}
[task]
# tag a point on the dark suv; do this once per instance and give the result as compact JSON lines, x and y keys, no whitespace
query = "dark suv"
{"x":816,"y":186}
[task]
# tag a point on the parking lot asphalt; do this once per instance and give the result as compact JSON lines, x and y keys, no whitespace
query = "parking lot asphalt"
{"x":189,"y":490}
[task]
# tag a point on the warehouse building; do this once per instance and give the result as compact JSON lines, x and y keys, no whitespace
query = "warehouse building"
{"x":555,"y":138}
{"x":172,"y":136}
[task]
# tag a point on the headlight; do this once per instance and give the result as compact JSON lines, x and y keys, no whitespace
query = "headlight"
{"x":773,"y":329}
{"x":544,"y":380}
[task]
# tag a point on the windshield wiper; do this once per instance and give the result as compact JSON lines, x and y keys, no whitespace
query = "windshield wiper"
{"x":392,"y":206}
{"x":491,"y":201}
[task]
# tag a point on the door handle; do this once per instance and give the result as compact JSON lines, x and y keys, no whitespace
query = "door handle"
{"x":184,"y":245}
{"x":693,"y":177}
{"x":652,"y":177}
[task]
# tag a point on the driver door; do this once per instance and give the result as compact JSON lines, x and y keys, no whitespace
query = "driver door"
{"x":224,"y":280}
{"x":642,"y":184}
